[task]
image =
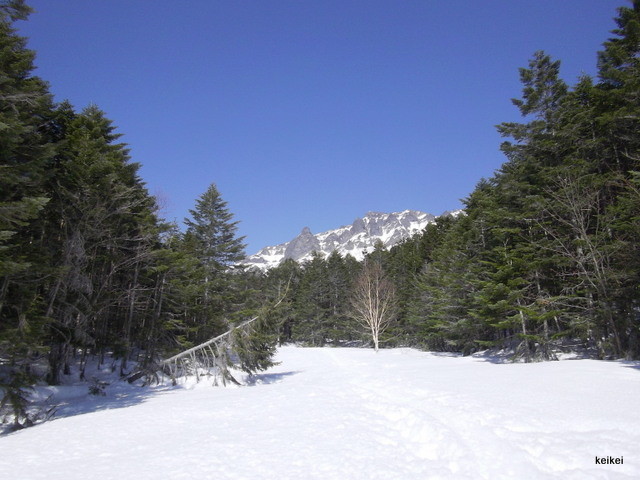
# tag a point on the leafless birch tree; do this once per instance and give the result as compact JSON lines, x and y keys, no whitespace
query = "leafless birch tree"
{"x":373,"y":301}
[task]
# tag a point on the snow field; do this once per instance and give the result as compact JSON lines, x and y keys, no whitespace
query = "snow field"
{"x":352,"y":414}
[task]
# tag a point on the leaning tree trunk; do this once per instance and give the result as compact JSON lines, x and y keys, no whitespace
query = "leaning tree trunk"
{"x":210,"y":357}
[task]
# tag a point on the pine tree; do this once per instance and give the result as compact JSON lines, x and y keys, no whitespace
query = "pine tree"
{"x":257,"y":346}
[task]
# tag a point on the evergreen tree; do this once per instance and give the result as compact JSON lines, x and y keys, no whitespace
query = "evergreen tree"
{"x":285,"y":277}
{"x":445,"y":290}
{"x":25,"y":155}
{"x":211,"y":239}
{"x":341,"y":273}
{"x":404,"y":263}
{"x":313,"y":304}
{"x":617,"y":123}
{"x":104,"y":230}
{"x":214,"y":232}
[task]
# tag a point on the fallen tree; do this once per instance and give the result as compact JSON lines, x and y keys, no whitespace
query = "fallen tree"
{"x":248,"y":346}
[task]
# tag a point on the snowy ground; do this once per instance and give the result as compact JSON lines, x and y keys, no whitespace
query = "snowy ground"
{"x":351,"y":414}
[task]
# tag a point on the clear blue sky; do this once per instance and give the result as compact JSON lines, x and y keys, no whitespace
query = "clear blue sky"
{"x":309,"y":113}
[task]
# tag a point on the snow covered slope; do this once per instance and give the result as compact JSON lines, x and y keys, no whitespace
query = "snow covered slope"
{"x":354,"y":239}
{"x":352,"y":414}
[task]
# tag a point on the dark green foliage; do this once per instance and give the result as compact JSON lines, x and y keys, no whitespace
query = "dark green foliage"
{"x":404,"y":263}
{"x":314,"y":312}
{"x":104,"y":232}
{"x":547,"y":251}
{"x":285,"y":277}
{"x":14,"y":403}
{"x":256,"y":347}
{"x":321,"y":302}
{"x":214,"y":233}
{"x":211,"y":239}
{"x":87,"y":270}
{"x":25,"y":154}
{"x":313,"y":304}
{"x":444,"y":288}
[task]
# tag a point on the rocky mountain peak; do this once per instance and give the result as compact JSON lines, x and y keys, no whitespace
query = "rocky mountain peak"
{"x":356,"y":239}
{"x":303,"y":244}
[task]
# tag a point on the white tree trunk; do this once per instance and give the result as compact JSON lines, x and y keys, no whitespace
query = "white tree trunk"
{"x":373,"y":302}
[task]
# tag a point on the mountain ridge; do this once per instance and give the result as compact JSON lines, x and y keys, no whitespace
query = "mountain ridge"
{"x":355,"y":239}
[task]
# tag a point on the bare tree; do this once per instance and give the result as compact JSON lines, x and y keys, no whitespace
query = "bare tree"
{"x":588,"y":245}
{"x":373,"y":301}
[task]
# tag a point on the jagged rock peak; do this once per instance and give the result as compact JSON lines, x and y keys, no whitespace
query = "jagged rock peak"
{"x":303,"y":244}
{"x":356,"y":239}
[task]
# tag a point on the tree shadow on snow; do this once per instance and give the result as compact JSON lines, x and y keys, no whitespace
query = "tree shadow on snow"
{"x":69,"y":401}
{"x":631,"y":364}
{"x":497,"y":357}
{"x":267,"y":378}
{"x":445,"y":354}
{"x":119,"y":394}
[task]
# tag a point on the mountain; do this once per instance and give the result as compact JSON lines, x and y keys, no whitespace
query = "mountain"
{"x":355,"y":239}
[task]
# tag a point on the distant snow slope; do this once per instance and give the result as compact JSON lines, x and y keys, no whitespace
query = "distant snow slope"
{"x":354,"y":239}
{"x":353,"y":414}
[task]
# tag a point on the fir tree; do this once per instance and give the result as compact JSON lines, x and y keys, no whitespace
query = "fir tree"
{"x":214,"y":232}
{"x":313,"y":304}
{"x":211,"y":239}
{"x":26,"y":152}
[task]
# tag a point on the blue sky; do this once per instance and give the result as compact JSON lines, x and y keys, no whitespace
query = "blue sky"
{"x":309,"y":113}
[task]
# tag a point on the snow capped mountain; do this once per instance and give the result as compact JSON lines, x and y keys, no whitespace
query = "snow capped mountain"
{"x":355,"y":239}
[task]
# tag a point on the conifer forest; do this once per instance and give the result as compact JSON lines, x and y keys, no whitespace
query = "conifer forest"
{"x":544,"y":259}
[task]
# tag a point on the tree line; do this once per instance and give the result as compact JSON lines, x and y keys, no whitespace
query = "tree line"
{"x":545,"y":255}
{"x":88,"y":269}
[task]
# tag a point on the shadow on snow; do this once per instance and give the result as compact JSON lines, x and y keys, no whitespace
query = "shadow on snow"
{"x":267,"y":378}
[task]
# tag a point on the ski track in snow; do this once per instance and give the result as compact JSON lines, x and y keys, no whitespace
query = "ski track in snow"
{"x":353,"y":414}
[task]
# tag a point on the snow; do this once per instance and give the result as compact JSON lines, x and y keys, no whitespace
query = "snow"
{"x":389,"y":228}
{"x":347,"y":413}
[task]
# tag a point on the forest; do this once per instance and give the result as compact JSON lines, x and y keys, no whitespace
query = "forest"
{"x":545,"y":258}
